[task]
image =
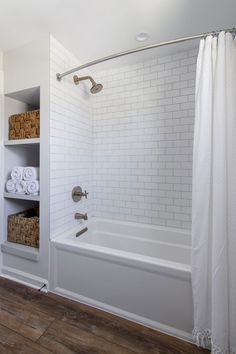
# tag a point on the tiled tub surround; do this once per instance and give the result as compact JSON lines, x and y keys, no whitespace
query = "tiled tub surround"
{"x":130,"y":145}
{"x":71,"y":141}
{"x":143,"y":137}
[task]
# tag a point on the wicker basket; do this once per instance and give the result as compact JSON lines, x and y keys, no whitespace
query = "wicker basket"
{"x":24,"y":125}
{"x":24,"y":227}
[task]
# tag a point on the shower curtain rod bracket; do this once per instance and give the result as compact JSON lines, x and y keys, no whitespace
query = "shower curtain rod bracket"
{"x":59,"y":77}
{"x":139,"y":49}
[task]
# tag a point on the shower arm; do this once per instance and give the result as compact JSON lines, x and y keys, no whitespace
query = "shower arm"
{"x":136,"y":50}
{"x":78,"y":79}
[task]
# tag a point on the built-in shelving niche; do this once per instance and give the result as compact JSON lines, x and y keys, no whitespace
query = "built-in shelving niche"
{"x":23,"y":142}
{"x":22,"y":152}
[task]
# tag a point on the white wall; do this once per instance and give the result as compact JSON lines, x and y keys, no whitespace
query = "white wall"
{"x":26,"y":66}
{"x":143,"y":135}
{"x":1,"y":61}
{"x":70,"y":142}
{"x":1,"y":149}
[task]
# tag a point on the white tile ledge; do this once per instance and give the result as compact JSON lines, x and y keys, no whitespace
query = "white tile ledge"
{"x":22,"y":251}
{"x":21,"y":196}
{"x":30,"y":141}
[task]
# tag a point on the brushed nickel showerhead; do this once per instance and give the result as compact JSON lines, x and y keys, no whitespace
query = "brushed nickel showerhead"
{"x":95,"y":87}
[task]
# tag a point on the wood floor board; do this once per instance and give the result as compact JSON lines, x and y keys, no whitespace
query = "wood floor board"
{"x":24,"y":320}
{"x":33,"y":299}
{"x":123,"y":332}
{"x":16,"y":289}
{"x":62,"y":338}
{"x":115,"y":331}
{"x":37,"y":323}
{"x":13,"y":343}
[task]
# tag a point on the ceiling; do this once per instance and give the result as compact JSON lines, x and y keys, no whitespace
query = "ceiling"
{"x":91,"y":29}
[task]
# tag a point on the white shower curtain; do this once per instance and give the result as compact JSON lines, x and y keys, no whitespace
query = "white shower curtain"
{"x":214,"y":196}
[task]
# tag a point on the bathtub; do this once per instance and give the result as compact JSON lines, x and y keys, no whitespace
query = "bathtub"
{"x":136,"y":271}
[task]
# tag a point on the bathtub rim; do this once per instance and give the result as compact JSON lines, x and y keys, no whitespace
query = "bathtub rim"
{"x":93,"y":219}
{"x":134,"y":260}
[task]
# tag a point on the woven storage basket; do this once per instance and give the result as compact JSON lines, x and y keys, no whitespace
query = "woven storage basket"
{"x":24,"y":227}
{"x":24,"y":125}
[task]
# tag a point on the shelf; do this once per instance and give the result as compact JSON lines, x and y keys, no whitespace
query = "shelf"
{"x":19,"y":250}
{"x":22,"y":196}
{"x":22,"y":142}
{"x":29,"y":96}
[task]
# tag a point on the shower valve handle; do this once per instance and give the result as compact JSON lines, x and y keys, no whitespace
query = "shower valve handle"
{"x":77,"y":194}
{"x":81,"y":194}
{"x":85,"y":194}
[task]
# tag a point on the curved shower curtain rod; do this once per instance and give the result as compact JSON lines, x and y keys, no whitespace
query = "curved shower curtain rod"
{"x":140,"y":49}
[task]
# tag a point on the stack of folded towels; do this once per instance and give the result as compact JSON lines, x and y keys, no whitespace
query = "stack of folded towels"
{"x":24,"y":180}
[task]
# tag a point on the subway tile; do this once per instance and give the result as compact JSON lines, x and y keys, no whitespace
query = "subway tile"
{"x":130,"y":146}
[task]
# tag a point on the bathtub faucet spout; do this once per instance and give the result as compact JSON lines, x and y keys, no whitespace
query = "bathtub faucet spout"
{"x":81,"y":216}
{"x":81,"y":232}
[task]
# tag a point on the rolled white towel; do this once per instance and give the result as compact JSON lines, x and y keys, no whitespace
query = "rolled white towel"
{"x":30,"y":173}
{"x":17,"y":173}
{"x":11,"y":186}
{"x":21,"y":187}
{"x":32,"y":187}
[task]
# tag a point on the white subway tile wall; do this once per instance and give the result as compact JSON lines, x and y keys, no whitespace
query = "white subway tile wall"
{"x":130,"y":145}
{"x":71,"y":141}
{"x":143,"y":137}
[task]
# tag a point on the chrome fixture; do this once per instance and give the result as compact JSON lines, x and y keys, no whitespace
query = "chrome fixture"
{"x":95,"y":87}
{"x":81,"y":232}
{"x":77,"y":194}
{"x":79,"y":216}
{"x":136,"y":50}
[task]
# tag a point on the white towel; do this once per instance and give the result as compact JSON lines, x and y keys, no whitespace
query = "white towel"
{"x":21,"y":187}
{"x":11,"y":186}
{"x":31,"y":173}
{"x":17,"y":173}
{"x":32,"y":187}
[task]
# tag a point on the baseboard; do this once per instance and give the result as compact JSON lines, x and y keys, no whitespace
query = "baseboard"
{"x":127,"y":315}
{"x":24,"y":278}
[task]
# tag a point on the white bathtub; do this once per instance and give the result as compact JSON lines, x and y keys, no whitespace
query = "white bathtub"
{"x":137,"y":271}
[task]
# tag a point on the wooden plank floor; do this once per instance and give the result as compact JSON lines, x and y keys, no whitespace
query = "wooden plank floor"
{"x":36,"y":323}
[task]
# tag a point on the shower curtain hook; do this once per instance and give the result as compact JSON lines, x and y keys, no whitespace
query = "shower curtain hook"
{"x":234,"y":32}
{"x":215,"y":33}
